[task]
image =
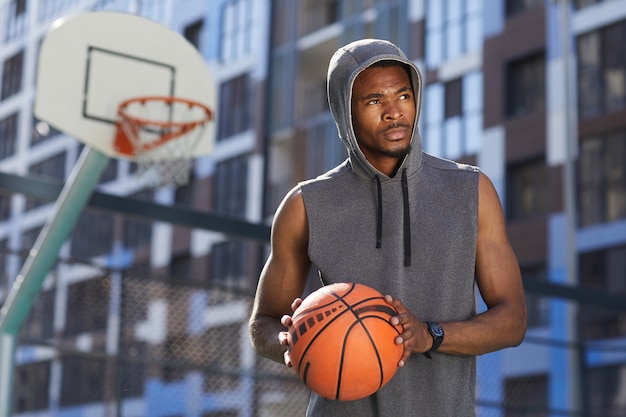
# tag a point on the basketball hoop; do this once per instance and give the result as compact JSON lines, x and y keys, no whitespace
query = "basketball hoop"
{"x":160,"y":134}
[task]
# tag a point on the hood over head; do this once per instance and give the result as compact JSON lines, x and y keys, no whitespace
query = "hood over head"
{"x":345,"y":65}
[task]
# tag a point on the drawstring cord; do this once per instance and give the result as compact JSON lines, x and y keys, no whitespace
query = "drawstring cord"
{"x":379,"y":214}
{"x":407,"y":217}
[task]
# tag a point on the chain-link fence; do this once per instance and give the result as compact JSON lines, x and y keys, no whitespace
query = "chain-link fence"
{"x":136,"y":341}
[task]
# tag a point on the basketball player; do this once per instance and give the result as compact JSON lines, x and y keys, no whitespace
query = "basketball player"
{"x":421,"y":229}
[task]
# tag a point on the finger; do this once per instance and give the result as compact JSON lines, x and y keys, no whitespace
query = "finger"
{"x":296,"y":303}
{"x":286,"y":320}
{"x":283,"y":338}
{"x":287,"y":359}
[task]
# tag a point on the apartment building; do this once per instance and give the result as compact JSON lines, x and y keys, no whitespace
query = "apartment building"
{"x":497,"y":95}
{"x":108,"y":337}
{"x":91,"y":311}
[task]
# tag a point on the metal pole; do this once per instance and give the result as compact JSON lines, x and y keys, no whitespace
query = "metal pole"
{"x":577,"y":392}
{"x":42,"y":257}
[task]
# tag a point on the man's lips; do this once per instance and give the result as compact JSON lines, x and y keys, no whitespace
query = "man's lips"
{"x":396,"y":131}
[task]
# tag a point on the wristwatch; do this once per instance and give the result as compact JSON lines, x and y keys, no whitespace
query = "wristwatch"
{"x":436,"y":331}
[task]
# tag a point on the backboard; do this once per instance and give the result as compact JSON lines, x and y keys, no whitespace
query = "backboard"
{"x":90,"y":63}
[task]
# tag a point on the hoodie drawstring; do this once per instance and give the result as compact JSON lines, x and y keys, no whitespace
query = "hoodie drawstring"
{"x":407,"y":217}
{"x":379,"y":214}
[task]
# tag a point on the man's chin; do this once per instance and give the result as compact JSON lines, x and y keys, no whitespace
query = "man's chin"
{"x":397,"y":153}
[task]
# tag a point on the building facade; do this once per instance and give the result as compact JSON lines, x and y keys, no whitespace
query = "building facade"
{"x":147,"y":317}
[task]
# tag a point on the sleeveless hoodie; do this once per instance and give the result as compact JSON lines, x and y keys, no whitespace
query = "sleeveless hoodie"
{"x":412,"y":236}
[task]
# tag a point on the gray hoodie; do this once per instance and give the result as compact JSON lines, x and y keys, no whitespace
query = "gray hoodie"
{"x":412,"y":236}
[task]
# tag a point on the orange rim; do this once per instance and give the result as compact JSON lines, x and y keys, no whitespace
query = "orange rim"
{"x":174,"y":129}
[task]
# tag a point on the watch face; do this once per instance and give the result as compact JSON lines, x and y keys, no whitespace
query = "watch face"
{"x":435,"y":329}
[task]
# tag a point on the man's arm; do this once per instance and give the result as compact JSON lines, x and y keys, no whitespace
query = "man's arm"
{"x":503,"y":324}
{"x":499,"y":280}
{"x":283,"y":278}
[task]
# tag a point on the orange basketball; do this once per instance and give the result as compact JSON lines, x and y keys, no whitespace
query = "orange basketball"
{"x":342,"y":342}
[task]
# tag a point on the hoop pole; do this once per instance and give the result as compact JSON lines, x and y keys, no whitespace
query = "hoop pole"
{"x":82,"y":181}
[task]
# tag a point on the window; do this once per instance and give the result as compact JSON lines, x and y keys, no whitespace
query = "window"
{"x":602,"y":70}
{"x":453,"y":98}
{"x":193,"y":32}
{"x":537,"y":305}
{"x":40,"y":322}
{"x":236,"y":39}
{"x":453,"y":116}
{"x":8,"y":135}
{"x":231,"y":187}
{"x":87,"y":307}
{"x":51,"y":168}
{"x":93,"y":234}
{"x":32,"y":382}
{"x":581,"y":4}
{"x":514,"y":7}
{"x":526,"y":190}
{"x":602,"y":178}
{"x":606,"y":270}
{"x":82,"y":380}
{"x":606,"y":385}
{"x":137,"y":232}
{"x":5,"y":206}
{"x":453,"y":28}
{"x":12,"y":75}
{"x":228,"y":263}
{"x":525,"y":88}
{"x":526,"y":396}
{"x":235,"y":97}
{"x":324,"y":149}
{"x":316,"y":14}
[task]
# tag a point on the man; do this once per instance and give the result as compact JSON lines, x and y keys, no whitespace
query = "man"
{"x":421,"y":229}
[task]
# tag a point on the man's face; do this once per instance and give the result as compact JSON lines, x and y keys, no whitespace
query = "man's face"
{"x":383,"y":112}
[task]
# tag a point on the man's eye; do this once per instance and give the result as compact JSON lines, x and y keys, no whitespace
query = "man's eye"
{"x":375,"y":101}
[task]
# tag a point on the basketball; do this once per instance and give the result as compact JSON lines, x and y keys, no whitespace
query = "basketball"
{"x":342,"y":341}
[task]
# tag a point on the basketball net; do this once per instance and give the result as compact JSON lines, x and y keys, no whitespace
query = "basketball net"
{"x":160,"y":135}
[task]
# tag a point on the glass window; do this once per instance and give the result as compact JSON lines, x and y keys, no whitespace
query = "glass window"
{"x":537,"y":305}
{"x":12,"y":75}
{"x":454,"y":137}
{"x":82,"y":380}
{"x":324,"y":149}
{"x":228,"y":263}
{"x":452,"y":122}
{"x":525,"y":393}
{"x":525,"y":80}
{"x":236,"y":40}
{"x":93,"y":234}
{"x":602,"y":178}
{"x":602,"y":70}
{"x":526,"y":190}
{"x":32,"y":387}
{"x":51,"y":168}
{"x":8,"y":135}
{"x":606,"y":384}
{"x":193,"y":32}
{"x":87,"y":307}
{"x":231,"y":187}
{"x":235,"y":97}
{"x":5,"y":206}
{"x":453,"y":28}
{"x":604,"y":270}
{"x":514,"y":7}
